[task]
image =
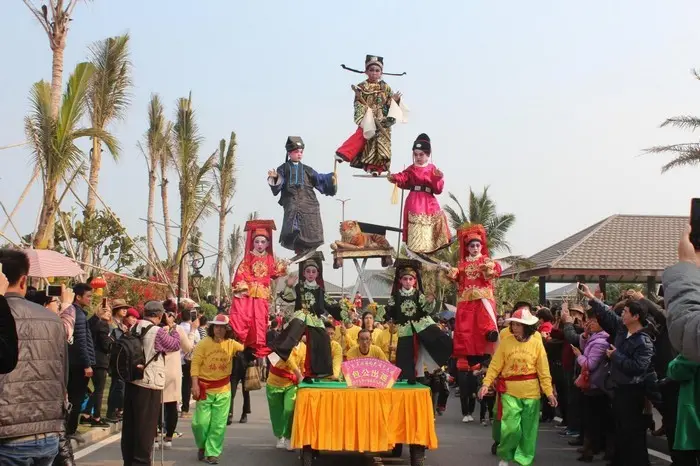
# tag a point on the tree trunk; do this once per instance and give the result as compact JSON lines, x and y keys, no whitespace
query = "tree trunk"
{"x":166,"y":213}
{"x":56,"y":77}
{"x":149,"y":216}
{"x":220,"y":255}
{"x":48,"y":209}
{"x":95,"y":165}
{"x":180,"y":264}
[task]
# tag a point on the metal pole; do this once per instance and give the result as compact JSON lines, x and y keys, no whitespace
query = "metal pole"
{"x":342,"y":269}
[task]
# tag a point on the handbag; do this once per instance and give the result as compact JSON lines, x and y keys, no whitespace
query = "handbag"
{"x":252,"y":379}
{"x":583,"y":381}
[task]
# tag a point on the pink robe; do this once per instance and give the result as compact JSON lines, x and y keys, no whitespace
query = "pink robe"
{"x":425,"y":227}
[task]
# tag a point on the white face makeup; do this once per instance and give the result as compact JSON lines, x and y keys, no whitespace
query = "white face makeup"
{"x":296,"y":155}
{"x":420,"y":158}
{"x":311,"y":274}
{"x":260,"y":244}
{"x":474,"y":248}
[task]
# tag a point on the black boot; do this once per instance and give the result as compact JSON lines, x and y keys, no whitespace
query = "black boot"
{"x":65,"y":451}
{"x":244,"y":419}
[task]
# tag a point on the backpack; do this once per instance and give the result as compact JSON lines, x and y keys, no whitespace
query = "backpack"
{"x":127,"y":360}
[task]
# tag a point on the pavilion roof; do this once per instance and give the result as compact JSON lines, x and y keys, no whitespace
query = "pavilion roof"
{"x":624,"y":248}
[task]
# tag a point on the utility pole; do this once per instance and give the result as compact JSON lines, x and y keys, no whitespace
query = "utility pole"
{"x":342,"y":269}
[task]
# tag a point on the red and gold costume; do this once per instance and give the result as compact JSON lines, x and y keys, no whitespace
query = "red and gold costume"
{"x":475,"y":332}
{"x":251,"y":288}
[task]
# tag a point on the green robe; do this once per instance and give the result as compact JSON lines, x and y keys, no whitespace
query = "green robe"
{"x":688,"y":423}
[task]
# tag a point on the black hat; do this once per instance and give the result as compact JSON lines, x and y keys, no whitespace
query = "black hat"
{"x":422,"y":142}
{"x":407,"y":267}
{"x":294,"y":143}
{"x":314,"y":261}
{"x":374,"y":60}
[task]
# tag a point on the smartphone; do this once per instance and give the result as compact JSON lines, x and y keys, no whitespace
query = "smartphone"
{"x":695,"y":223}
{"x":53,"y":290}
{"x":193,"y":315}
{"x":580,"y":286}
{"x":104,"y":303}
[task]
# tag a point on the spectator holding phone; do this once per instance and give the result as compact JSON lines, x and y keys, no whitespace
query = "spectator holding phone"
{"x":630,"y":367}
{"x":190,"y":325}
{"x":681,"y":284}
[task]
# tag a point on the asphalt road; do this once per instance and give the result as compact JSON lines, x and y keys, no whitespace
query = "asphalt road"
{"x":252,"y":444}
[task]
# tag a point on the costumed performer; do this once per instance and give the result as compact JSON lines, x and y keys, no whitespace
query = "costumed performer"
{"x":250,"y":306}
{"x":376,"y":109}
{"x":421,"y":343}
{"x":281,"y":388}
{"x":425,"y":227}
{"x":311,"y":306}
{"x":302,"y":230}
{"x":212,"y":363}
{"x":521,"y":373}
{"x":475,"y":331}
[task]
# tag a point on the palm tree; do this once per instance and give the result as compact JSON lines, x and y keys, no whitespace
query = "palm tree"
{"x":482,"y":210}
{"x":108,"y":100}
{"x":233,"y":250}
{"x":53,"y":139}
{"x":55,"y":18}
{"x":253,"y":215}
{"x":687,"y":153}
{"x":157,"y":144}
{"x":194,"y":186}
{"x":225,"y":183}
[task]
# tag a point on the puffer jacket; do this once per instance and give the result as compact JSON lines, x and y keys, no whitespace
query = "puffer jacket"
{"x":594,"y":357}
{"x":32,"y":396}
{"x":631,"y":362}
{"x":682,"y":297}
{"x":82,"y":352}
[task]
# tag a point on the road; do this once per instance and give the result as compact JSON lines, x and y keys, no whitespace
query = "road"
{"x":252,"y":444}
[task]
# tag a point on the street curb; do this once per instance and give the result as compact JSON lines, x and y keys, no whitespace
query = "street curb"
{"x":96,"y":434}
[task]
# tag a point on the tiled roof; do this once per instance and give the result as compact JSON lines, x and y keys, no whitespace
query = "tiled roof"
{"x":379,"y":283}
{"x":621,"y":242}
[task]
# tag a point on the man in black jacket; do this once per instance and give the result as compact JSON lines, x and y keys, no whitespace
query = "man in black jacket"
{"x":81,"y":357}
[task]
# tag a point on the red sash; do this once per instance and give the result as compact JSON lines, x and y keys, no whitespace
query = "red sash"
{"x":284,"y":374}
{"x":205,"y":384}
{"x":501,"y":388}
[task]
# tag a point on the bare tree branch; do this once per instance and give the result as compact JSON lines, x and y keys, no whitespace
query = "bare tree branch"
{"x":37,"y":14}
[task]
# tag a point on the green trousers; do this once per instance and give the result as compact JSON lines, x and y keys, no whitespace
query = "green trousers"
{"x":521,"y":419}
{"x":281,"y":403}
{"x":209,"y":422}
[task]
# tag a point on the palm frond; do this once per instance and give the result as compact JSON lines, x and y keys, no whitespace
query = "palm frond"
{"x":74,"y":99}
{"x":688,"y":154}
{"x":225,"y":170}
{"x":682,"y":122}
{"x":111,"y":83}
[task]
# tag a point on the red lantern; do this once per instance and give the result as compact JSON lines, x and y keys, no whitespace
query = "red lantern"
{"x":98,"y":283}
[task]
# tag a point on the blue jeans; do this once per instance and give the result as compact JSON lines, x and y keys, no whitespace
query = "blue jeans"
{"x":39,"y":452}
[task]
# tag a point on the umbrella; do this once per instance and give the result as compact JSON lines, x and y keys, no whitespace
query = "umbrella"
{"x":449,"y":312}
{"x":45,"y":263}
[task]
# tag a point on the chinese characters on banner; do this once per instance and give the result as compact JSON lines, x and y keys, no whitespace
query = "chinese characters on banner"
{"x":369,"y":373}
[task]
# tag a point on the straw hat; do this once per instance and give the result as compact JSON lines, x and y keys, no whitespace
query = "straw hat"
{"x":523,"y":316}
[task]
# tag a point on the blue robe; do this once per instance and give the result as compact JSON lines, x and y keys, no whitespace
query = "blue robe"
{"x":301,"y":228}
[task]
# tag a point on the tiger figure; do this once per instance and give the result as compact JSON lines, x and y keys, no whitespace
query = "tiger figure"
{"x":352,"y":237}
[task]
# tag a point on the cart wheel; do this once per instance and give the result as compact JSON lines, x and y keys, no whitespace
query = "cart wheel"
{"x":417,"y":455}
{"x":307,"y":456}
{"x":397,"y":450}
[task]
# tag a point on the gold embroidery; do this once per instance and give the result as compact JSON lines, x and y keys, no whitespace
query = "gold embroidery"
{"x":259,"y":269}
{"x":427,"y":232}
{"x":475,"y":293}
{"x":259,"y":291}
{"x":409,"y":308}
{"x":472,"y":271}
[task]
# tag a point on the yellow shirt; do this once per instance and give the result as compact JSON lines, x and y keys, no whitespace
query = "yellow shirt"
{"x":337,"y":357}
{"x":384,"y":339}
{"x":350,"y":339}
{"x":214,"y":361}
{"x":374,"y":352}
{"x":520,"y":358}
{"x":295,"y":362}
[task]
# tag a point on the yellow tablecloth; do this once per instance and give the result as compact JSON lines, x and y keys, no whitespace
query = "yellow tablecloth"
{"x":363,"y":419}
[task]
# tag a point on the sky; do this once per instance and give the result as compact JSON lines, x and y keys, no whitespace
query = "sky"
{"x":548,"y":103}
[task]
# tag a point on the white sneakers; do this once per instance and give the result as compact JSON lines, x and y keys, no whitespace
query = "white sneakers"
{"x":467,"y":418}
{"x":284,"y":444}
{"x":503,"y":463}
